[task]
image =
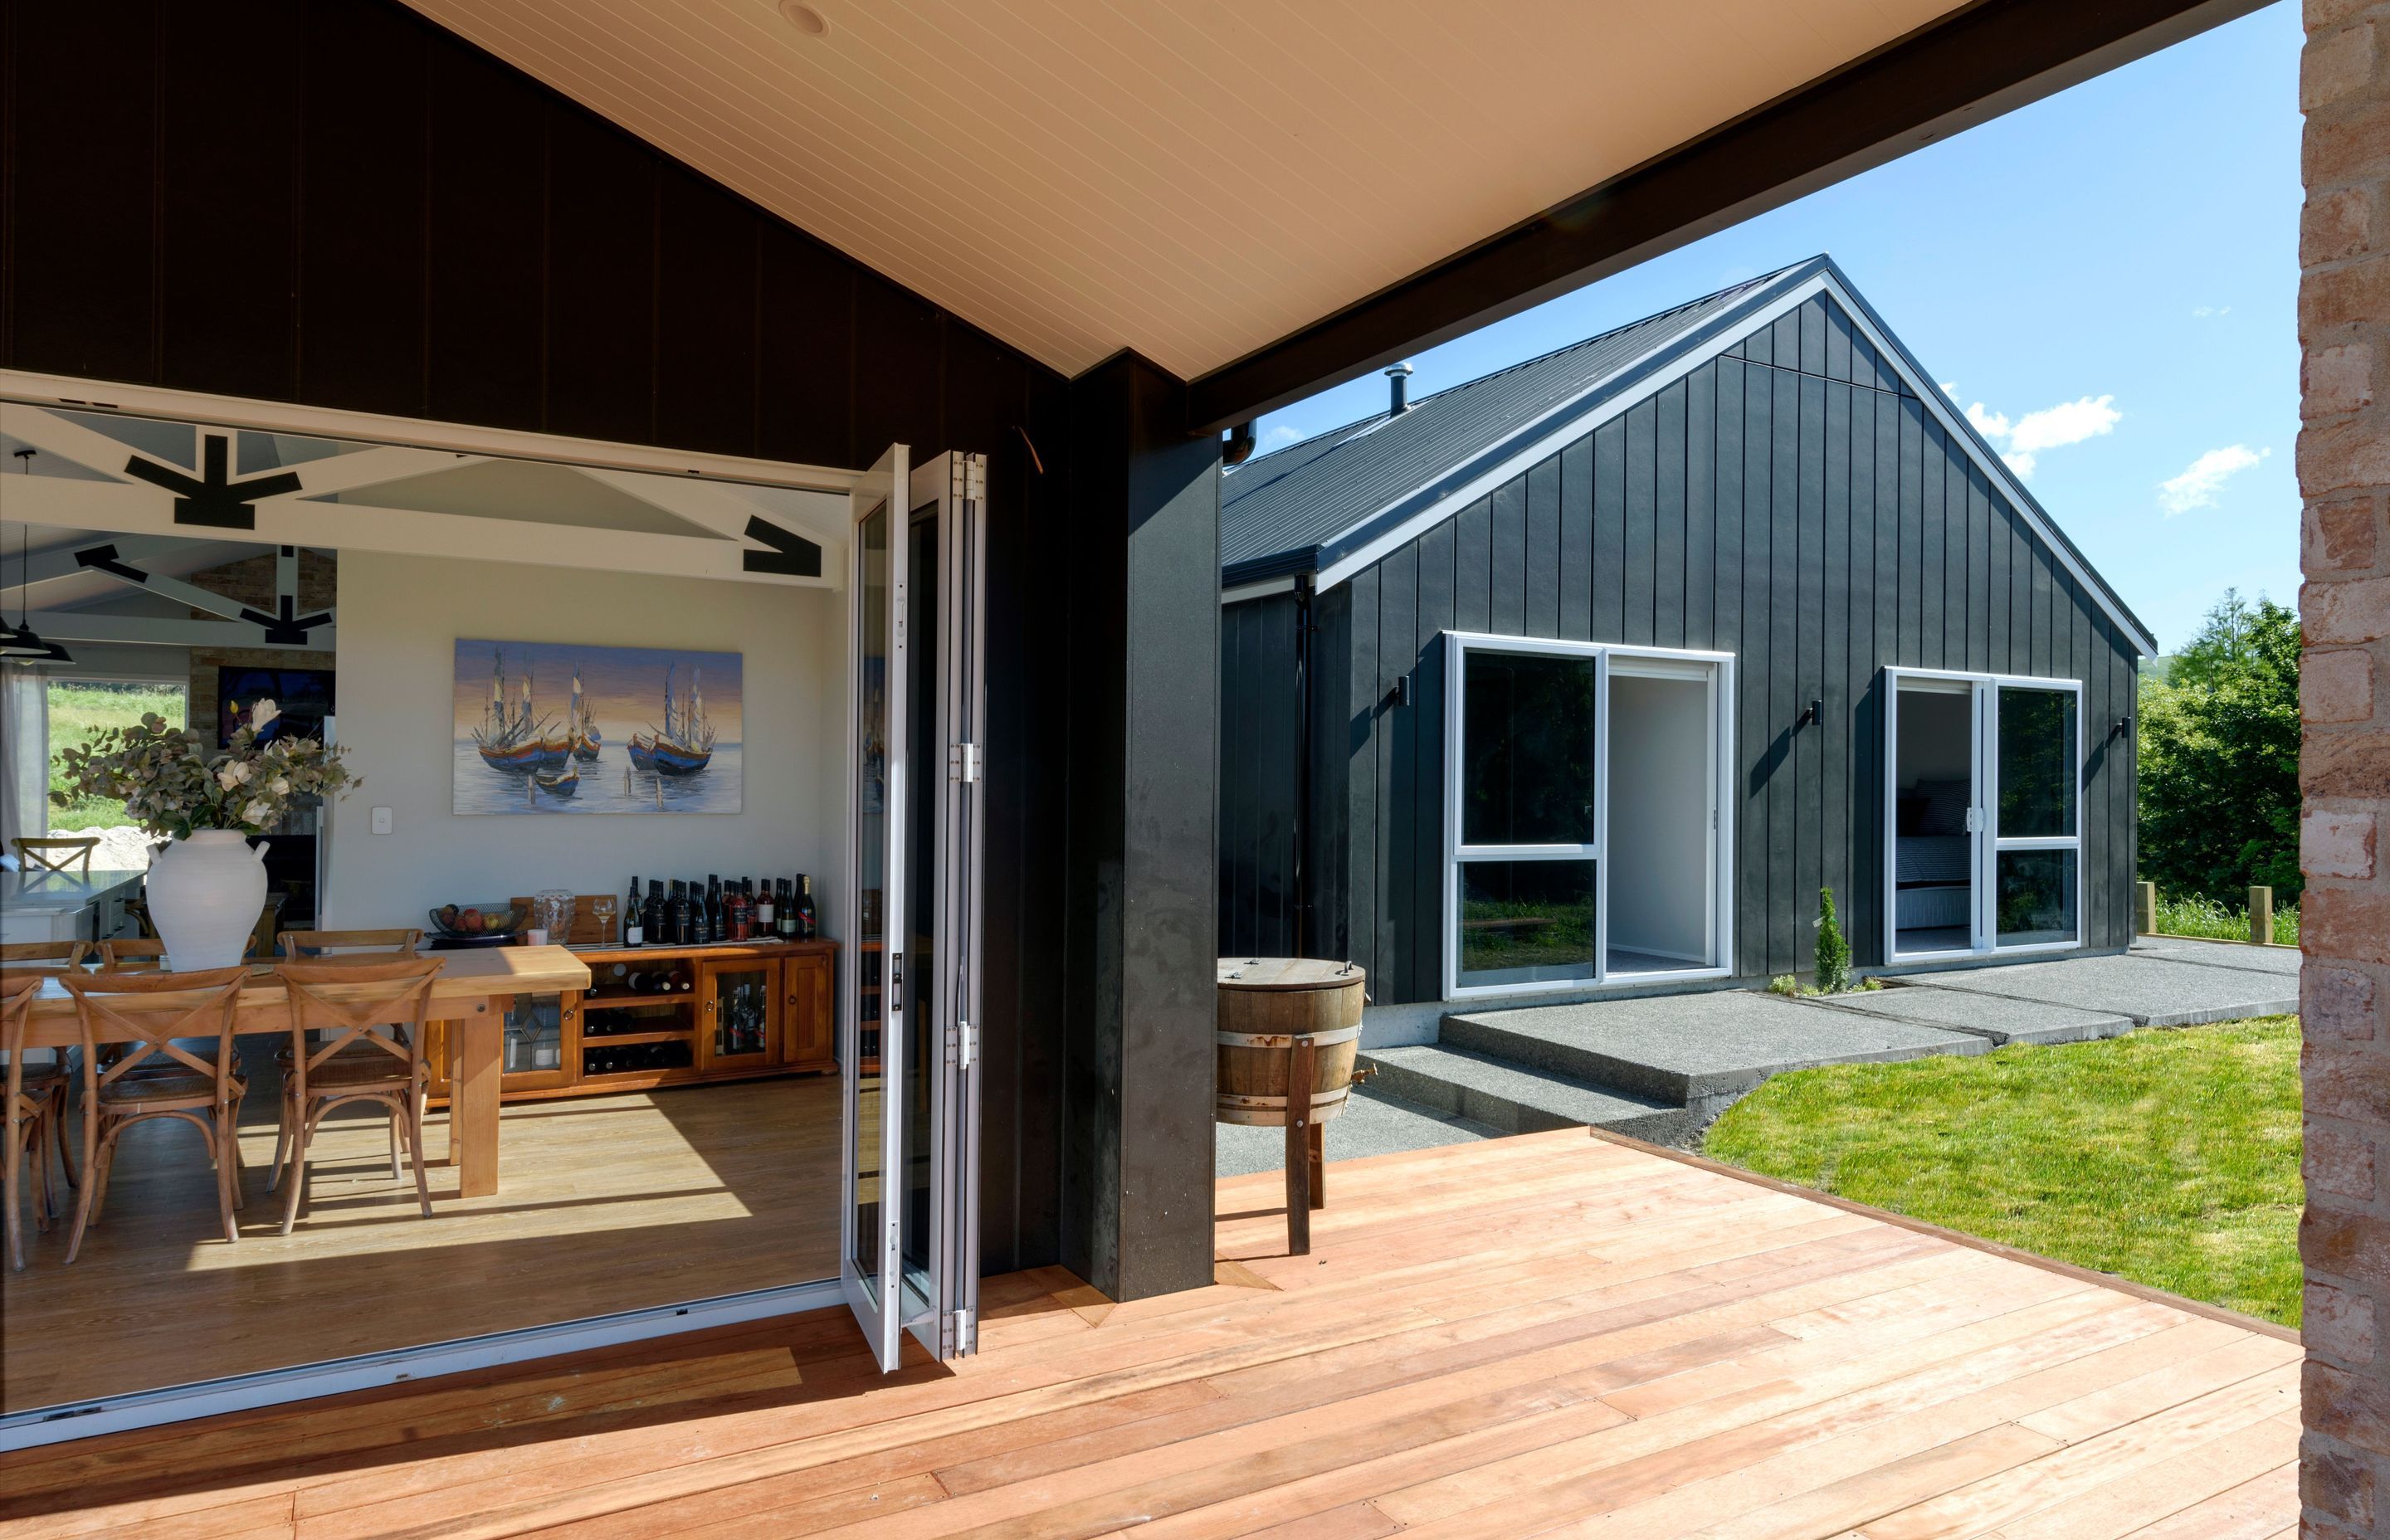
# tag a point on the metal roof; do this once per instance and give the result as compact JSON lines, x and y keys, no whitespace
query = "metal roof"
{"x":1337,"y":498}
{"x":1278,"y":510}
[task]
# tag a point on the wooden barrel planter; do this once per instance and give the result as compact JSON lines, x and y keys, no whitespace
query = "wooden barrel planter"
{"x":1288,"y":1030}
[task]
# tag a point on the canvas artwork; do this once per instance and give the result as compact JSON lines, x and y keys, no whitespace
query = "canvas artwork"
{"x":550,"y":727}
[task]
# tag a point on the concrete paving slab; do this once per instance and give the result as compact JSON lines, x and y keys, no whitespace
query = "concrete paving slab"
{"x":1987,"y":1016}
{"x":1517,"y":1100}
{"x":2155,"y":992}
{"x":1372,"y":1123}
{"x":2220,"y":953}
{"x":1696,"y":1050}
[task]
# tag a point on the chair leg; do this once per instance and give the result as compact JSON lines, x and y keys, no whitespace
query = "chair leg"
{"x":301,"y":1136}
{"x":94,"y":1182}
{"x":281,"y":1140}
{"x":228,"y":1177}
{"x":10,"y":1160}
{"x":232,"y":1143}
{"x":413,"y":1116}
{"x":66,"y":1158}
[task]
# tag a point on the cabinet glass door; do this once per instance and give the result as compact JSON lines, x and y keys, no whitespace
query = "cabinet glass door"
{"x":535,"y":1050}
{"x":742,"y":1014}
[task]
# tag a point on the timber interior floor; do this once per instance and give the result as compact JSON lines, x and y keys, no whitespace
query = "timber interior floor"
{"x":604,"y":1203}
{"x":1553,"y":1334}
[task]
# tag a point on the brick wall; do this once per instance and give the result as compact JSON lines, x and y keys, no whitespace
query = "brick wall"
{"x":2344,"y":764}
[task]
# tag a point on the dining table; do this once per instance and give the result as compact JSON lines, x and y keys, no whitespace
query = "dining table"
{"x":471,"y":996}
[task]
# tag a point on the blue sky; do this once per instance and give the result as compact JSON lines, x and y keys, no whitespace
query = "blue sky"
{"x":2112,"y":273}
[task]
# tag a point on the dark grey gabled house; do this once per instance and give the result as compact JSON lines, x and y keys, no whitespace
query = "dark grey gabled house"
{"x":1590,"y":673}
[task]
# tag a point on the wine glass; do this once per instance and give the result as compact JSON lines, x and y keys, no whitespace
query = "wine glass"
{"x":601,"y":910}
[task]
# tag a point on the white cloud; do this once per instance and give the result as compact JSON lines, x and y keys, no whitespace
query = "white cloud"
{"x":1950,"y":389}
{"x":1281,"y":434}
{"x":2204,"y":312}
{"x":2197,"y":486}
{"x":2022,"y":442}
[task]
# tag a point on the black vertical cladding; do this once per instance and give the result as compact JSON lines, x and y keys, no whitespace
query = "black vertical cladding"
{"x":1789,"y":502}
{"x":1258,"y":775}
{"x":347,"y":205}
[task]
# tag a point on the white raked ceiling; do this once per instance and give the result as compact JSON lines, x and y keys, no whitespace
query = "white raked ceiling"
{"x":1194,"y":180}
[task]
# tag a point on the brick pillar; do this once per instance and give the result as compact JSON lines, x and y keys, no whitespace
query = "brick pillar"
{"x":2344,"y":763}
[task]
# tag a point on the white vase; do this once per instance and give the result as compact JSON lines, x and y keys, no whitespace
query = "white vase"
{"x":205,"y":894}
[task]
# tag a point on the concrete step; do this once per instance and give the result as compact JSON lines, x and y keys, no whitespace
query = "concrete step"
{"x":1520,"y":1099}
{"x":1701,"y":1051}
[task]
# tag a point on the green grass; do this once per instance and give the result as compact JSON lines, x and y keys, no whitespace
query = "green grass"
{"x":80,"y":713}
{"x":2206,"y":918}
{"x":2170,"y":1158}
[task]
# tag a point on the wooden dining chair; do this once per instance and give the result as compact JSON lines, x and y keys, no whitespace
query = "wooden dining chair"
{"x":338,"y":946}
{"x":48,"y":955}
{"x":357,"y":1035}
{"x":154,"y":1015}
{"x":116,"y":957}
{"x":70,"y":853}
{"x":34,"y":1108}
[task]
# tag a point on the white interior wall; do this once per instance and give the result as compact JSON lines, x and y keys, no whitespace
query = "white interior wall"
{"x":1660,"y":782}
{"x":400,"y":620}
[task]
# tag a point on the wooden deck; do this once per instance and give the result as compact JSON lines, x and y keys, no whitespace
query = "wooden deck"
{"x":1548,"y":1335}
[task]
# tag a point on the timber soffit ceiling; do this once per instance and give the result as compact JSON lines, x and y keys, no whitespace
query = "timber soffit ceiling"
{"x":1193,"y":181}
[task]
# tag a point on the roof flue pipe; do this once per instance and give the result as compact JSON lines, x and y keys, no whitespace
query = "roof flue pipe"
{"x":1397,"y":379}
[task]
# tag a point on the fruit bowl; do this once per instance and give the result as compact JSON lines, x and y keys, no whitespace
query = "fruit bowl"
{"x":450,"y":923}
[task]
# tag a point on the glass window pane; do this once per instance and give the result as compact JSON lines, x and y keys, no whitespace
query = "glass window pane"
{"x":1526,"y":747}
{"x":2035,"y":889}
{"x":1525,"y":921}
{"x":2038,"y":764}
{"x":870,"y":850}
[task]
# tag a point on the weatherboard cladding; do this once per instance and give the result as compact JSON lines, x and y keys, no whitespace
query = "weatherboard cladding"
{"x":1790,"y":502}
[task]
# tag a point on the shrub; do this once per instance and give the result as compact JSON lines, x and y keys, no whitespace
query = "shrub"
{"x":2219,"y":758}
{"x":1833,"y":952}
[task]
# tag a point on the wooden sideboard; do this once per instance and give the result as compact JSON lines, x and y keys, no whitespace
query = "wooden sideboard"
{"x":733,"y":1011}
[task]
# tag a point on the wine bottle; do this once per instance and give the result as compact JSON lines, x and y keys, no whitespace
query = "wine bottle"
{"x":709,"y":905}
{"x":807,"y":923}
{"x":742,"y":912}
{"x":651,"y":915}
{"x":684,"y":915}
{"x":788,"y":908}
{"x":634,"y":929}
{"x":765,"y":925}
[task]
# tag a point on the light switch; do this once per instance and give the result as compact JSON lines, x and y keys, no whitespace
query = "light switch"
{"x":381,"y":820}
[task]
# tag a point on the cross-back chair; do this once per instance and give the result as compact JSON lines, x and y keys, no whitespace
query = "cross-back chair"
{"x":45,"y":954}
{"x":344,"y":1007}
{"x":35,"y":1108}
{"x":115,"y":957}
{"x":341,"y":945}
{"x":58,"y":852}
{"x":153,"y":1016}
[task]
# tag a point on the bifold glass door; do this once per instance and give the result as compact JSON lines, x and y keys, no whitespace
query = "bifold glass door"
{"x":909,"y":1018}
{"x":1984,"y":836}
{"x":1583,"y":789}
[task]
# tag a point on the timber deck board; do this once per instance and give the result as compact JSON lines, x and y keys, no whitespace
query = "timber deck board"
{"x":1556,"y":1334}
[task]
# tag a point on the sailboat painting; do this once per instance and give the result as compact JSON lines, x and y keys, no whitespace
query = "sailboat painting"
{"x":553,"y":727}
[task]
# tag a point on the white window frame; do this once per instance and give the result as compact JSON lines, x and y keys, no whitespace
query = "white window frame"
{"x":1982,"y":816}
{"x":1717,"y":669}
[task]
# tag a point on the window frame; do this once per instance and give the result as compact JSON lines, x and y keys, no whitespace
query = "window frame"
{"x":1716,"y":671}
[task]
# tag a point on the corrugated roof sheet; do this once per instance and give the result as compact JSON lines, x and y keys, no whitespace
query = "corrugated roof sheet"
{"x":1288,"y":503}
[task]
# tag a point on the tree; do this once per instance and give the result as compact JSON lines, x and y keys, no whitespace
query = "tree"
{"x":2219,"y":758}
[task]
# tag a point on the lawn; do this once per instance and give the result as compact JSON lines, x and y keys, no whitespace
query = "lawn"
{"x":2170,"y":1158}
{"x":79,"y":712}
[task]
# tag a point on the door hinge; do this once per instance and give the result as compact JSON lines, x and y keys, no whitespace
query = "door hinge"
{"x":1975,"y":820}
{"x":962,"y":1044}
{"x":957,"y":1334}
{"x":969,"y":477}
{"x":896,"y":982}
{"x":963,"y":762}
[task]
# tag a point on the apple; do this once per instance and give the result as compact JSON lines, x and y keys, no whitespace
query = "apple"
{"x":471,"y":922}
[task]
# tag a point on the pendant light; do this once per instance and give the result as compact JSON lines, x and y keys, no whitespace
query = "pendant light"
{"x":21,"y":641}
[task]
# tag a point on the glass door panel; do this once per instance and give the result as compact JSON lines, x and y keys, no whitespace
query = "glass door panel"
{"x":2034,"y":897}
{"x":2037,"y":833}
{"x":874,"y":1119}
{"x":2038,"y":761}
{"x":742,"y":1014}
{"x":1934,"y":867}
{"x":1528,"y":761}
{"x":921,"y":1018}
{"x":1526,"y":923}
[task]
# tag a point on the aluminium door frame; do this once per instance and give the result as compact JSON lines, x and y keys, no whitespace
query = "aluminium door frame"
{"x":1719,"y":667}
{"x":1984,"y":844}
